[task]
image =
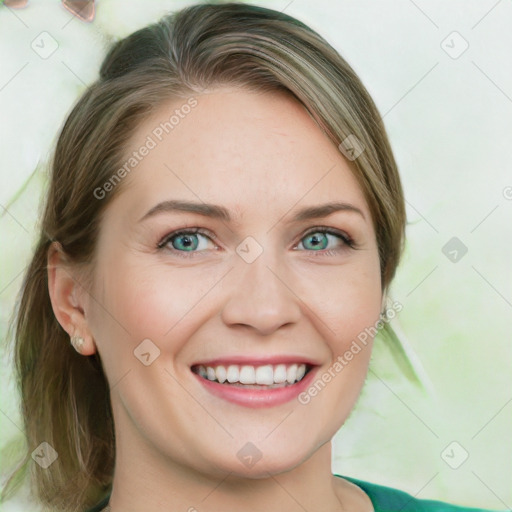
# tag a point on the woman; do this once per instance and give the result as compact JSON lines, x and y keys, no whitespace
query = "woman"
{"x":224,"y":219}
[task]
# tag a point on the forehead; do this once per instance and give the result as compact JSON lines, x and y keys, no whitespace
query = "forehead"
{"x":232,"y":144}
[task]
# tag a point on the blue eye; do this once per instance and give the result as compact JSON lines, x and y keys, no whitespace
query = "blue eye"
{"x":187,"y":242}
{"x":319,"y":238}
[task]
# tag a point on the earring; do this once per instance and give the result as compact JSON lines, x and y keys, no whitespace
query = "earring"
{"x":77,"y":342}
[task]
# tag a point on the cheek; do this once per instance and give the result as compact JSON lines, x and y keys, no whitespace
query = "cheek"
{"x":345,"y":299}
{"x":349,"y":308}
{"x":140,"y":301}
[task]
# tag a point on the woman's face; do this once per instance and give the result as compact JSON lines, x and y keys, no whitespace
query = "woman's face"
{"x":259,"y":289}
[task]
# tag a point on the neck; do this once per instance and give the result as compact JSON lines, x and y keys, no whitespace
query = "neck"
{"x":146,"y":480}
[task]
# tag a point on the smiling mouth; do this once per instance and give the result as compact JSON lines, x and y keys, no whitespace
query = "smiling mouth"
{"x":266,"y":376}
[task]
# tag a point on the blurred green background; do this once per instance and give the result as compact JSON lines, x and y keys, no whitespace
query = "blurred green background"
{"x":440,"y":74}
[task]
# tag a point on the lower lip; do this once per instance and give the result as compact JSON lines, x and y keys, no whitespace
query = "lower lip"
{"x":257,"y":398}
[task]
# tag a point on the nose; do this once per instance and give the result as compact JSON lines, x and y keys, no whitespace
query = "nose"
{"x":261,"y":296}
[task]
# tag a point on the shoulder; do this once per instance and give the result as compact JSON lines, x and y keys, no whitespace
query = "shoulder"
{"x":388,"y":499}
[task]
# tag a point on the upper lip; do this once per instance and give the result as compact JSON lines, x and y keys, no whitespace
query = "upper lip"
{"x":257,"y":360}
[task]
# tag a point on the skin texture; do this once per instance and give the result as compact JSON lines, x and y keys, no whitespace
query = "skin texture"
{"x":263,"y":158}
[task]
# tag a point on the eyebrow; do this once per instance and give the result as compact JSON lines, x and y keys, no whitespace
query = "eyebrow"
{"x":219,"y":212}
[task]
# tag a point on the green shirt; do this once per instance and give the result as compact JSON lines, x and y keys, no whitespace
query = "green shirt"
{"x":384,"y":499}
{"x":387,"y":499}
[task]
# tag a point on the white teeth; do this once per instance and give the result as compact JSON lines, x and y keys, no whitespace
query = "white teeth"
{"x":266,"y":375}
{"x":291,"y":374}
{"x":247,"y":375}
{"x":233,"y":374}
{"x":221,"y":374}
{"x":280,"y":374}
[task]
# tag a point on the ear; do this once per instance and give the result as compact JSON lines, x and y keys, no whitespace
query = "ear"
{"x":68,"y":297}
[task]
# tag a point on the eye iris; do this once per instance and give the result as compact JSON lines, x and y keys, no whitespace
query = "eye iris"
{"x":316,"y":237}
{"x":190,"y":242}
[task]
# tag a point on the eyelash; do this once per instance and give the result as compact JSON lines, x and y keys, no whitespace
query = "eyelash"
{"x":346,"y":239}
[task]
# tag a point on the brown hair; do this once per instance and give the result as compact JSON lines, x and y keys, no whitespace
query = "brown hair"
{"x":65,"y":397}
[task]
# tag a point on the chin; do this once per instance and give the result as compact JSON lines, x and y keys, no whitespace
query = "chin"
{"x":249,"y":462}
